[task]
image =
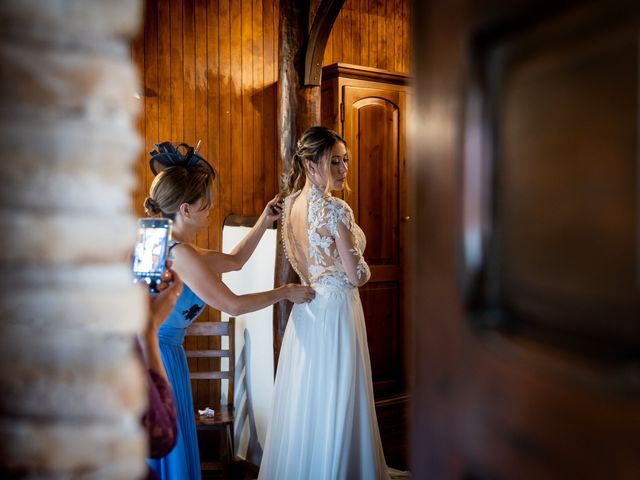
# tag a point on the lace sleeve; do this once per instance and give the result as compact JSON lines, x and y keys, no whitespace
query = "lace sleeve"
{"x":341,"y":225}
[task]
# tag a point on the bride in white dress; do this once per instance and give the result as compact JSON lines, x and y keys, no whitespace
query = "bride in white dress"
{"x":323,"y":424}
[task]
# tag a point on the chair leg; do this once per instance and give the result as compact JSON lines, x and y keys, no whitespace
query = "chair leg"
{"x":228,"y":453}
{"x":230,"y":442}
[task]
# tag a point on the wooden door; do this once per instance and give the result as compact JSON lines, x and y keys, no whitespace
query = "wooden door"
{"x":525,"y":292}
{"x":373,"y":128}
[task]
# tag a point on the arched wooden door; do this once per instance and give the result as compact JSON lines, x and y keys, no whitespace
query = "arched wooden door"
{"x":372,"y":128}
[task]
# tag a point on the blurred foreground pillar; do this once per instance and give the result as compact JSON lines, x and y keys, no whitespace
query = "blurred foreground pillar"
{"x":72,"y":390}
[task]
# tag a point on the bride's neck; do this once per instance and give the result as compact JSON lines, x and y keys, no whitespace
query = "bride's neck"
{"x":309,"y":184}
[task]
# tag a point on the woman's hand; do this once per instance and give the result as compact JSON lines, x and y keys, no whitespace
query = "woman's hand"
{"x":299,"y":293}
{"x":273,"y":210}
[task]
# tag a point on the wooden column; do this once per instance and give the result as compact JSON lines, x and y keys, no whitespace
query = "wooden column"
{"x":72,"y":388}
{"x":301,"y":38}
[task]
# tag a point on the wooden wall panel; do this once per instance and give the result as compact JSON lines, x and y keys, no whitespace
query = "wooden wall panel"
{"x":209,"y":72}
{"x":209,"y":69}
{"x":372,"y":33}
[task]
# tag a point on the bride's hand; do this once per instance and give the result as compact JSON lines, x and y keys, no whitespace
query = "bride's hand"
{"x":273,"y":209}
{"x":299,"y":293}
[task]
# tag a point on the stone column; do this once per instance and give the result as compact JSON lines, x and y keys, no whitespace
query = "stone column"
{"x":71,"y":388}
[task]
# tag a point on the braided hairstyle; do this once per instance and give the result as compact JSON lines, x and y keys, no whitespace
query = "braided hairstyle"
{"x":182,"y":176}
{"x":315,"y":145}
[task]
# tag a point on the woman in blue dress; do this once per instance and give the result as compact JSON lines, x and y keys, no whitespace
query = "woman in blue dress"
{"x":182,"y":191}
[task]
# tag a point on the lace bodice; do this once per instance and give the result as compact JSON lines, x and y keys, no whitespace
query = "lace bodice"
{"x":322,"y":241}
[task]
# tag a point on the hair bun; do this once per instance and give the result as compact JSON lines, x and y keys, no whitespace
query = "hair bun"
{"x":151,"y":206}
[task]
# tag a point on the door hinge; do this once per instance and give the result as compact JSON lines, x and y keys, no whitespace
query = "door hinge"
{"x":342,"y":112}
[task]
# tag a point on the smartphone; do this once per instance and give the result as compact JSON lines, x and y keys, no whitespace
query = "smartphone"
{"x":151,"y":250}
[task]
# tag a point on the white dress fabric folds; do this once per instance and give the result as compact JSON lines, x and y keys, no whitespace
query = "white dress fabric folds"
{"x":324,"y":423}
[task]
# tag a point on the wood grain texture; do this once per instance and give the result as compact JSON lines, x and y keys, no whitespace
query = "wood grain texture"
{"x":372,"y":33}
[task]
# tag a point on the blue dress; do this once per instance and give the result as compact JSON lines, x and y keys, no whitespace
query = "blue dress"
{"x":183,"y":463}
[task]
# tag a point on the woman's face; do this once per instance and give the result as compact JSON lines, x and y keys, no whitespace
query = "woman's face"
{"x":338,"y":167}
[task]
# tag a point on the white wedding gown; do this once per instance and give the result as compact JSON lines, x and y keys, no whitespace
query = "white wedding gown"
{"x":324,"y":423}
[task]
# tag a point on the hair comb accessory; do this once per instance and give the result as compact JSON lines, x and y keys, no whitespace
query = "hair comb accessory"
{"x":167,"y":155}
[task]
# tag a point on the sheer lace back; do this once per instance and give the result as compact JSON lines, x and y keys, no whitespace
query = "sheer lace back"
{"x":310,"y":228}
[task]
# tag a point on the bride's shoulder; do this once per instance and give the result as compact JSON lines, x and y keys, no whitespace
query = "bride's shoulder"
{"x":338,"y":205}
{"x":336,"y":211}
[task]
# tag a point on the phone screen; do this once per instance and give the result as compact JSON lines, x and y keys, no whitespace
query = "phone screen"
{"x":150,"y":252}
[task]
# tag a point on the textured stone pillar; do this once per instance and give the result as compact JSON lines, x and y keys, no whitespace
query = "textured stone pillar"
{"x":71,"y":390}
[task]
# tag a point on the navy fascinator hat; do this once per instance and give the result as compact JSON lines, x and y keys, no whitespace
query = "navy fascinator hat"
{"x":183,"y":155}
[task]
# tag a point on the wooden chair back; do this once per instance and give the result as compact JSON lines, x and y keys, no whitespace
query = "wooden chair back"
{"x":221,"y":329}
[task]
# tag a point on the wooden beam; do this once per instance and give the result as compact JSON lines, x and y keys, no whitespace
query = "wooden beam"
{"x":292,"y":38}
{"x":323,"y":21}
{"x":298,"y":108}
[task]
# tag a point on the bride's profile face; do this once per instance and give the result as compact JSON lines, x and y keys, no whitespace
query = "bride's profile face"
{"x":338,"y":166}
